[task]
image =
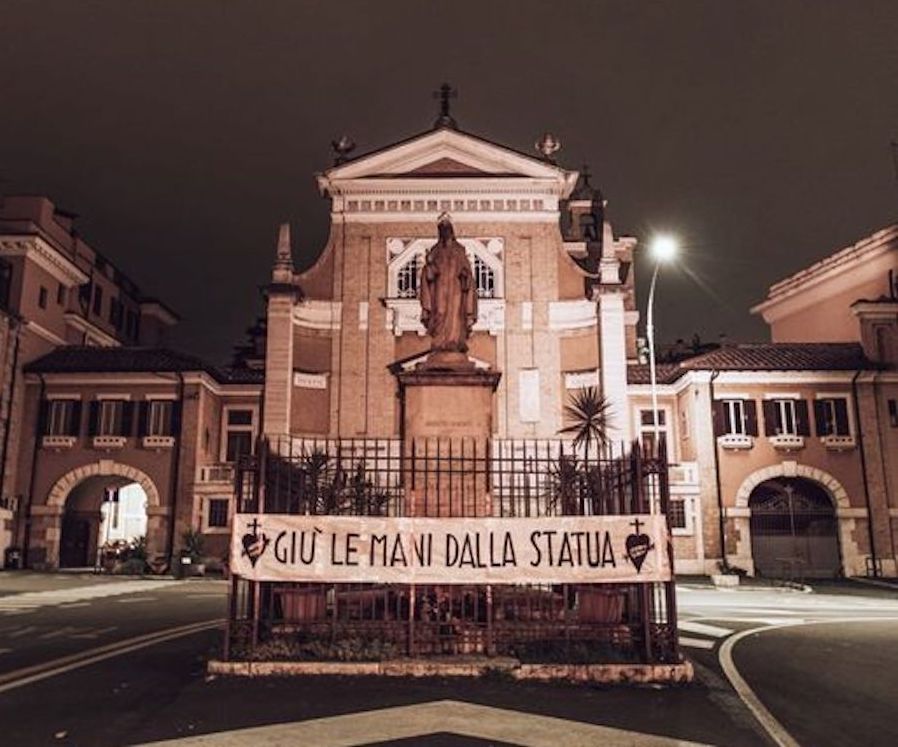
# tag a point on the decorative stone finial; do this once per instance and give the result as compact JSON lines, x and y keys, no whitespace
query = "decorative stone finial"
{"x":284,"y":252}
{"x":342,"y":148}
{"x":548,"y":145}
{"x":444,"y":93}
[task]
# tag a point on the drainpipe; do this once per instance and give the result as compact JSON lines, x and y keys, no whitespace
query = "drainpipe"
{"x":721,"y":525}
{"x":860,"y":440}
{"x":15,"y":323}
{"x":26,"y":540}
{"x":176,"y":470}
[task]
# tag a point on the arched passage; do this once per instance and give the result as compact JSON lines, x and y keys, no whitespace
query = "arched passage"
{"x":100,"y":511}
{"x":846,"y":516}
{"x":97,"y":504}
{"x":794,"y":530}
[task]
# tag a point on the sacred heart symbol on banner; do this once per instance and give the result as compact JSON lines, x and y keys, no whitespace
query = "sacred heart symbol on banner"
{"x":638,"y":545}
{"x":253,"y":546}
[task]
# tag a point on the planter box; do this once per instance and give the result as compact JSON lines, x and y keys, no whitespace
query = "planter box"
{"x":302,"y":605}
{"x":725,"y":580}
{"x":600,"y":605}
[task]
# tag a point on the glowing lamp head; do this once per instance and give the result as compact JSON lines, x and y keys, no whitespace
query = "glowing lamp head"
{"x":664,"y":248}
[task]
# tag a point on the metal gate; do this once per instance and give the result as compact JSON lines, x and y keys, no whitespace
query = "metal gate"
{"x":794,"y":530}
{"x":572,"y":623}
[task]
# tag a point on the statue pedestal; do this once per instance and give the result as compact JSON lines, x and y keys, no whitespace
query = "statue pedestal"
{"x":447,"y":415}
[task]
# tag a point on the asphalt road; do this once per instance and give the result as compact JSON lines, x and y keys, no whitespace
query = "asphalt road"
{"x":162,"y":693}
{"x":823,"y":664}
{"x":824,"y":682}
{"x":65,"y":617}
{"x":831,"y":684}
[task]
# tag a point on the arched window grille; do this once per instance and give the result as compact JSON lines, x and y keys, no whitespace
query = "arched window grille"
{"x":485,"y":278}
{"x":407,"y":279}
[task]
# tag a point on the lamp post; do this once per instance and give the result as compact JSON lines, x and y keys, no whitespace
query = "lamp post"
{"x":663,"y":249}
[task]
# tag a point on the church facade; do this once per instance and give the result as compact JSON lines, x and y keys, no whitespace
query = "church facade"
{"x":554,"y":286}
{"x":782,"y":454}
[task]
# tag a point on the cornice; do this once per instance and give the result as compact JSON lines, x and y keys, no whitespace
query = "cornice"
{"x":45,"y":256}
{"x":83,"y":325}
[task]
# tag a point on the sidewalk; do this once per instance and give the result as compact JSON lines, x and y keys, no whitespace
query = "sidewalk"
{"x":20,"y":582}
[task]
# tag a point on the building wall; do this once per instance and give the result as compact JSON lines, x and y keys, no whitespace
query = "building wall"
{"x":362,"y":343}
{"x":828,"y":319}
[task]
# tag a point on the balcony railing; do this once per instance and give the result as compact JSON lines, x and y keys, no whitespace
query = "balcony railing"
{"x":58,"y":442}
{"x":158,"y":442}
{"x":735,"y":441}
{"x":787,"y":441}
{"x":837,"y":443}
{"x":215,"y":473}
{"x":109,"y":442}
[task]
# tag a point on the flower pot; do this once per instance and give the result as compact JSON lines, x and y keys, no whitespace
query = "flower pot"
{"x":725,"y":580}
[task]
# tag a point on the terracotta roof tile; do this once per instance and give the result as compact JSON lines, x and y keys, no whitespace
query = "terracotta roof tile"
{"x":783,"y":356}
{"x":762,"y":356}
{"x":87,"y":359}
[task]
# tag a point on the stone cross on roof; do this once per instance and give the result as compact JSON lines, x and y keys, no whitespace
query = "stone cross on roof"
{"x":444,"y":93}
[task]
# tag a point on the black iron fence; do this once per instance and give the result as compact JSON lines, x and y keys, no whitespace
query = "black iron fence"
{"x":576,"y":623}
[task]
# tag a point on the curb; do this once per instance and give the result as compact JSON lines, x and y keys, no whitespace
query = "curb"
{"x":610,"y":674}
{"x":874,"y":582}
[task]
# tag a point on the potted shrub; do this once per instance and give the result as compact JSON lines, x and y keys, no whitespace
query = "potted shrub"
{"x":728,"y":577}
{"x":192,"y":553}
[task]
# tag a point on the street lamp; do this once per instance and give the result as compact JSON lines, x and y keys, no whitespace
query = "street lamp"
{"x":663,"y":249}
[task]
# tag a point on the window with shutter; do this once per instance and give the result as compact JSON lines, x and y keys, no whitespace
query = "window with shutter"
{"x":59,"y":415}
{"x":113,"y":418}
{"x":734,"y":417}
{"x":831,"y":415}
{"x":159,"y":419}
{"x":783,"y":417}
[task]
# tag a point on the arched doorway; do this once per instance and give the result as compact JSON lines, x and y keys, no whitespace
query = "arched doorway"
{"x":98,"y":512}
{"x":794,"y":529}
{"x":87,"y":494}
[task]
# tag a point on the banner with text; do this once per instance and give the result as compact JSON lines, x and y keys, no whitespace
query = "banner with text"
{"x":335,"y":549}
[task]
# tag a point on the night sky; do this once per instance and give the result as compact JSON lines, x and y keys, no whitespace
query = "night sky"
{"x":183,"y":133}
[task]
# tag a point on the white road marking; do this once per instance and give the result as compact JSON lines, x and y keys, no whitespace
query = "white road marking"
{"x":774,"y":728}
{"x":696,"y":642}
{"x":23,"y":631}
{"x":73,"y":605}
{"x":703,"y":628}
{"x":88,"y":633}
{"x":484,"y":723}
{"x":4,"y":651}
{"x":762,"y":620}
{"x":37,"y":672}
{"x":57,"y":633}
{"x":132,"y":600}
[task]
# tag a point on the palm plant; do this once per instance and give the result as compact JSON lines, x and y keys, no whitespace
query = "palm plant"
{"x":589,"y":413}
{"x":564,"y":486}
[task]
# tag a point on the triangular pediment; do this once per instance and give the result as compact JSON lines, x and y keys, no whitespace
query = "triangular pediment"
{"x":445,"y":167}
{"x":447,"y":153}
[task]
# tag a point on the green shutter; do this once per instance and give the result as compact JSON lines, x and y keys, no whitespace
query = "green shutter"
{"x":802,"y":421}
{"x":93,"y":419}
{"x":176,"y":418}
{"x":127,"y":419}
{"x":43,"y":417}
{"x":841,"y":407}
{"x":143,"y":418}
{"x":74,"y":424}
{"x":751,"y":417}
{"x":718,"y":416}
{"x":820,"y":420}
